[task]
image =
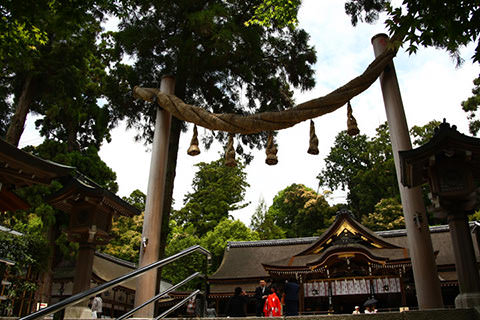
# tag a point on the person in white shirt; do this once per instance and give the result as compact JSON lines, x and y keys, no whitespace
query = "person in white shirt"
{"x":97,"y":306}
{"x":357,"y":310}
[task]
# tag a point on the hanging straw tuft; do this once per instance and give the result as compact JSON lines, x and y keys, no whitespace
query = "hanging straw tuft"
{"x":313,"y":148}
{"x":352,"y":128}
{"x":230,"y":153}
{"x":271,"y":151}
{"x":194,"y":150}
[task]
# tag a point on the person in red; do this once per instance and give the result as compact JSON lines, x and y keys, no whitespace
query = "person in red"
{"x":272,"y":307}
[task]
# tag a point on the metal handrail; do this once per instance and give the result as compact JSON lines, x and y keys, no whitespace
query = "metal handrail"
{"x":161,"y":294}
{"x":112,"y":283}
{"x":178,"y":305}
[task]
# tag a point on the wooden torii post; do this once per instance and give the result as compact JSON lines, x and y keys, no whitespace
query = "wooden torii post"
{"x":427,"y":284}
{"x":152,"y":224}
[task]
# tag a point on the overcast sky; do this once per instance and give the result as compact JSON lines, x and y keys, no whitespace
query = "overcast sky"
{"x":431,"y":87}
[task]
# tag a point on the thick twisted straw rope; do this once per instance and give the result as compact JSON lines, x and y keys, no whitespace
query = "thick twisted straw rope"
{"x":268,"y":121}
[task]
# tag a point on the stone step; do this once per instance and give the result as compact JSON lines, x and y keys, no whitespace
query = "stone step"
{"x":438,"y":314}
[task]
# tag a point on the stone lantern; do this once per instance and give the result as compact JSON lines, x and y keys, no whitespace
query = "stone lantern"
{"x":450,"y":163}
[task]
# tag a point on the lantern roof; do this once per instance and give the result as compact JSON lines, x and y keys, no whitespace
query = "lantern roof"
{"x":82,"y":190}
{"x":447,"y":141}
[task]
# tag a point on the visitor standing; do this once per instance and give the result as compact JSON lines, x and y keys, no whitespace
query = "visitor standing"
{"x":291,"y":297}
{"x":237,"y":305}
{"x":97,"y":306}
{"x":357,"y":310}
{"x":273,"y":307}
{"x":261,"y":294}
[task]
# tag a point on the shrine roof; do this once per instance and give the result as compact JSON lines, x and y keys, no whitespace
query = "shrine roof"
{"x":245,"y":259}
{"x":20,"y":168}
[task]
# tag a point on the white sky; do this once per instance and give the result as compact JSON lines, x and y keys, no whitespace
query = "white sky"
{"x":431,"y":86}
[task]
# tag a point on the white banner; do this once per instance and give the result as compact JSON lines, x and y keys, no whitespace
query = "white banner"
{"x":352,"y":287}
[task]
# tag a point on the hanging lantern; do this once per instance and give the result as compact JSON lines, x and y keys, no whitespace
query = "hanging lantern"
{"x":313,"y":148}
{"x":271,"y":151}
{"x":194,"y":150}
{"x":352,"y":128}
{"x":230,"y":153}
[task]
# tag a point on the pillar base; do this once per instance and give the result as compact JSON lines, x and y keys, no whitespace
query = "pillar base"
{"x":467,"y":300}
{"x":78,"y":312}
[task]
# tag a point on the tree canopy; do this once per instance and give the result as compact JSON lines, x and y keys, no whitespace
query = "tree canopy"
{"x":365,"y":166}
{"x":56,"y":68}
{"x":445,"y":24}
{"x":126,"y":233}
{"x":217,"y":191}
{"x":299,"y":211}
{"x":471,"y":106}
{"x":264,"y":224}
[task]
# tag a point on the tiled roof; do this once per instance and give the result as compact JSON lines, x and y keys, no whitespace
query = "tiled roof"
{"x":269,"y":243}
{"x":308,"y":240}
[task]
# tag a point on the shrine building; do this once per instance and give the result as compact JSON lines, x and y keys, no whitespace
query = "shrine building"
{"x":342,"y":268}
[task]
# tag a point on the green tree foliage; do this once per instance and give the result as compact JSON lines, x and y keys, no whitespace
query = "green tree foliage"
{"x":126,"y":238}
{"x":300,"y":211}
{"x":471,"y":106}
{"x":264,"y":224}
{"x":364,"y":166}
{"x":280,"y":12}
{"x":445,"y":24}
{"x":29,"y":252}
{"x":179,"y":239}
{"x":217,"y":190}
{"x":215,"y":241}
{"x":215,"y":59}
{"x":423,"y":134}
{"x":227,"y":230}
{"x":60,"y":76}
{"x":387,"y":215}
{"x":126,"y":232}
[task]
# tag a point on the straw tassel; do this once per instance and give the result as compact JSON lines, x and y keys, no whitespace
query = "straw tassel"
{"x":352,"y":128}
{"x":313,"y":148}
{"x":230,"y":153}
{"x":194,"y":150}
{"x":271,"y":151}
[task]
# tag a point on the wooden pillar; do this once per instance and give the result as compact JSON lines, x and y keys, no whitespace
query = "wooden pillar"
{"x":465,"y":261}
{"x":152,"y":224}
{"x":83,"y":267}
{"x":301,"y":297}
{"x":425,"y":273}
{"x":402,"y":291}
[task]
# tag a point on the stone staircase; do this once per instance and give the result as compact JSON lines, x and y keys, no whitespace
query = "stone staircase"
{"x":438,"y":314}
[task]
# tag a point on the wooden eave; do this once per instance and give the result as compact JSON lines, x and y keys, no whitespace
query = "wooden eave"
{"x":20,"y":168}
{"x":339,"y":254}
{"x":415,"y":162}
{"x":11,"y":202}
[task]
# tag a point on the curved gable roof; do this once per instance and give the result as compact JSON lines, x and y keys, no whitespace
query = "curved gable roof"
{"x":346,"y":230}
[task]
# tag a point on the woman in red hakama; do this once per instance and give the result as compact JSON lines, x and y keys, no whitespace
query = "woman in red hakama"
{"x":272,"y":307}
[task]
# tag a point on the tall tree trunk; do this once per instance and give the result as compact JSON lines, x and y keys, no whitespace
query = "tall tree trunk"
{"x":17,"y":124}
{"x":72,"y":143}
